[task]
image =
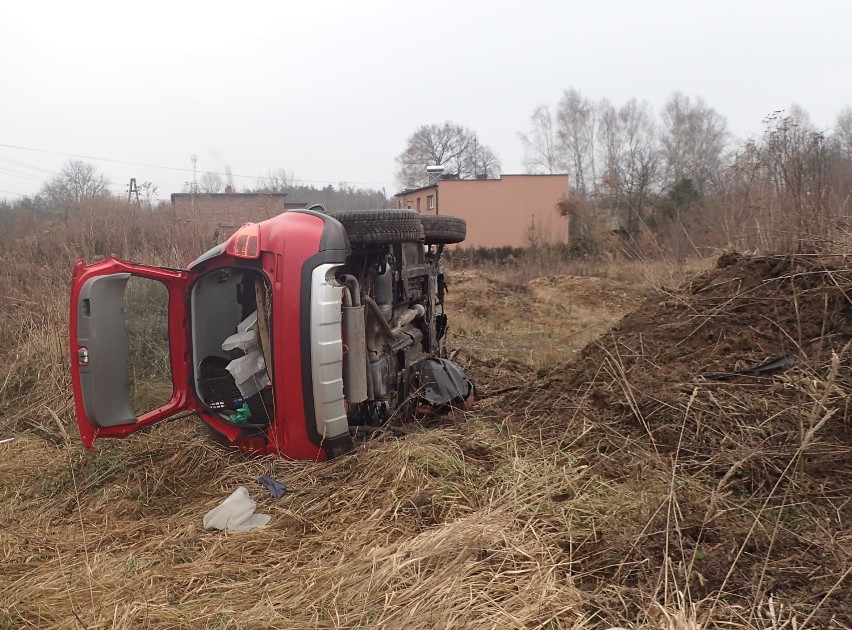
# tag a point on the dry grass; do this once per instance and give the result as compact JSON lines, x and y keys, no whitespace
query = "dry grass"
{"x":610,"y":491}
{"x":461,"y":527}
{"x":545,"y":309}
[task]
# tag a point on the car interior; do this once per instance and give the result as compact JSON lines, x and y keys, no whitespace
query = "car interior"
{"x":224,"y":306}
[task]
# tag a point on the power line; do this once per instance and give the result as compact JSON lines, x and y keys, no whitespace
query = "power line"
{"x":101,"y":159}
{"x":25,"y":165}
{"x":13,"y":173}
{"x":172,"y":168}
{"x":11,"y":192}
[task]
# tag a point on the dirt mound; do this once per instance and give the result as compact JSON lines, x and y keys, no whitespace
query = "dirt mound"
{"x":741,"y":480}
{"x":739,"y":316}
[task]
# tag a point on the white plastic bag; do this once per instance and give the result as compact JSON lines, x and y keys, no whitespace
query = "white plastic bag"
{"x":248,"y":322}
{"x":249,"y":371}
{"x":235,"y":514}
{"x":244,"y":340}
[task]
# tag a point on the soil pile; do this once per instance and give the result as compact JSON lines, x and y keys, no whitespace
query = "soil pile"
{"x":737,"y":484}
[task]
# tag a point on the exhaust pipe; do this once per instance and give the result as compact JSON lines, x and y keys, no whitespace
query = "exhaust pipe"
{"x":355,"y":338}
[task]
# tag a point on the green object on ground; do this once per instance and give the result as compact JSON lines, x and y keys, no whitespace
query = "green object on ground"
{"x":241,"y":415}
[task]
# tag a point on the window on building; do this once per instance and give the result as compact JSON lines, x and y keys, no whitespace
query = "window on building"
{"x":430,"y":202}
{"x":418,"y":204}
{"x":408,"y":205}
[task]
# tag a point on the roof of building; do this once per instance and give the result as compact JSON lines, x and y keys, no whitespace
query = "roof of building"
{"x":411,"y":190}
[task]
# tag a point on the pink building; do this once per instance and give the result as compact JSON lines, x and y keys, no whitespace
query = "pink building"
{"x":514,"y":210}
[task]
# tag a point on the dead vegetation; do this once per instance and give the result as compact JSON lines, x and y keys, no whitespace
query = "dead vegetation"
{"x":735,"y":487}
{"x":622,"y":485}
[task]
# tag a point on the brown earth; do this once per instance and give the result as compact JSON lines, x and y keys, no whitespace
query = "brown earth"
{"x":757,"y":468}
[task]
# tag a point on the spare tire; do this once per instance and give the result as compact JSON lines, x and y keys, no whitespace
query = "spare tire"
{"x":442,"y":229}
{"x":376,"y":227}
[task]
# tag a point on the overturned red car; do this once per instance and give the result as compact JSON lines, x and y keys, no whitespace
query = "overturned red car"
{"x":284,"y":339}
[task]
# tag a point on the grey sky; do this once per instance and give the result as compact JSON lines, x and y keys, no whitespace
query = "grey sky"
{"x":330,"y":90}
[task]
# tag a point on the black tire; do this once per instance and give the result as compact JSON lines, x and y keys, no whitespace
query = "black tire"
{"x":443,"y":230}
{"x":376,"y":227}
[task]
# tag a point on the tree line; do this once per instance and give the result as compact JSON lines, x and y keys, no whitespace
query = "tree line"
{"x":78,"y":185}
{"x":668,"y":179}
{"x":674,"y":179}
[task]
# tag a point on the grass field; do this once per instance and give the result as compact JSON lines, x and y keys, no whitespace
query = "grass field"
{"x":616,"y":473}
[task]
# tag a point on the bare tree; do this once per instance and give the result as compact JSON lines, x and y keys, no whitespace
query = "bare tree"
{"x":576,"y":128}
{"x":75,"y":184}
{"x":609,"y":140}
{"x":843,"y":132}
{"x":210,"y":182}
{"x":150,"y":194}
{"x":541,"y":145}
{"x":276,"y":181}
{"x":483,"y":163}
{"x":693,"y":138}
{"x":788,"y":189}
{"x":449,"y":145}
{"x":842,"y":171}
{"x":631,"y":161}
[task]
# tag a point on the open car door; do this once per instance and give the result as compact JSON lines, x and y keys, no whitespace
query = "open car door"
{"x":130,"y":347}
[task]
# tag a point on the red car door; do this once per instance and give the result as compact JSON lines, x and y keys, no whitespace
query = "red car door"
{"x":130,"y":347}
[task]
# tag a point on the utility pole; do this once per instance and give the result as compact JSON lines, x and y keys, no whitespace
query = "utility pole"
{"x":194,"y":187}
{"x":133,"y":189}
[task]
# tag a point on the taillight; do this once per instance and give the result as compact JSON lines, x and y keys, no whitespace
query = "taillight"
{"x":255,"y":444}
{"x":245,"y":243}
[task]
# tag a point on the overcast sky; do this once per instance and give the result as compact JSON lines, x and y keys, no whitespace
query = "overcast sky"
{"x":330,"y":90}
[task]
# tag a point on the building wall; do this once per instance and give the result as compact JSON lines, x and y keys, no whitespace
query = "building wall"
{"x":228,"y":210}
{"x":424,"y":200}
{"x":500,"y":212}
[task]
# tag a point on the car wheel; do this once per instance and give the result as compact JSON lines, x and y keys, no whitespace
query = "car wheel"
{"x":376,"y":227}
{"x":443,"y":230}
